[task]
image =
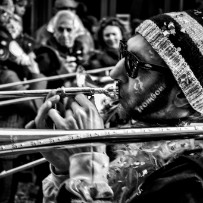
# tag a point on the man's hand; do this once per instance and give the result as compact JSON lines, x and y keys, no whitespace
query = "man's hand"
{"x":41,"y":120}
{"x":80,"y":113}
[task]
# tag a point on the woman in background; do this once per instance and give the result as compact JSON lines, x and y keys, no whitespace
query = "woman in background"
{"x":109,"y":34}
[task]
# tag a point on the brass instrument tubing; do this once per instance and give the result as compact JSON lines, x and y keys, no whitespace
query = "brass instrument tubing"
{"x":52,"y":78}
{"x":67,"y":137}
{"x":62,"y":91}
{"x":4,"y":174}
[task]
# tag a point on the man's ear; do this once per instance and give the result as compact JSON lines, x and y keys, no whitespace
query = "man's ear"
{"x":180,"y":100}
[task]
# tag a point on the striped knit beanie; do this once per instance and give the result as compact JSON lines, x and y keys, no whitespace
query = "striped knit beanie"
{"x":178,"y":39}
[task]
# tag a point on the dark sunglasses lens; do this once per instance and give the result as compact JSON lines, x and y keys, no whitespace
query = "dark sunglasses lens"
{"x":122,"y":55}
{"x":131,"y":66}
{"x":61,"y":29}
{"x":121,"y":50}
{"x":128,"y":64}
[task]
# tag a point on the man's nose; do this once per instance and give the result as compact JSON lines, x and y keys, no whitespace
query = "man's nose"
{"x":65,"y":33}
{"x":118,"y":72}
{"x":111,"y":37}
{"x":23,"y":9}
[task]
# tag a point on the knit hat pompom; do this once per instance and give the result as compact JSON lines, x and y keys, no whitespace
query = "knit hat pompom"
{"x":178,"y":39}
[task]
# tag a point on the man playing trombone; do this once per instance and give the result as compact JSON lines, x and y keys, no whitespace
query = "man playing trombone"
{"x":160,"y":84}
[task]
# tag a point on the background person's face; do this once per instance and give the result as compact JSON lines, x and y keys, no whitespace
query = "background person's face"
{"x":147,"y":96}
{"x":64,"y":32}
{"x":20,"y":8}
{"x":112,"y":36}
{"x":14,"y":27}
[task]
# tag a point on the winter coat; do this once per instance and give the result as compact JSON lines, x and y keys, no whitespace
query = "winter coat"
{"x":180,"y":181}
{"x":148,"y":172}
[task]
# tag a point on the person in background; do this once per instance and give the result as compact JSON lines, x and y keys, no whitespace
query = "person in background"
{"x":46,"y":30}
{"x":7,"y":5}
{"x":199,"y":4}
{"x":15,"y":66}
{"x":160,"y":84}
{"x":70,"y":5}
{"x":20,"y":7}
{"x":110,"y":32}
{"x":26,"y":42}
{"x":61,"y":54}
{"x":19,"y":11}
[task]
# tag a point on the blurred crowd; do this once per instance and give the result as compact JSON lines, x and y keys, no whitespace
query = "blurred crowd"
{"x":69,"y":42}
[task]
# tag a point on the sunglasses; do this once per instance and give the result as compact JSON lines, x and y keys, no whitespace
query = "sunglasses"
{"x":62,"y":29}
{"x":132,"y":63}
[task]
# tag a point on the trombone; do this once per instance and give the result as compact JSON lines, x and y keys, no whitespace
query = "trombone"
{"x":25,"y":141}
{"x":52,"y":78}
{"x":32,"y":140}
{"x":110,"y":91}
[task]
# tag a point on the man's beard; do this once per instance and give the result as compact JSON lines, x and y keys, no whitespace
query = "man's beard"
{"x":123,"y":113}
{"x":144,"y":110}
